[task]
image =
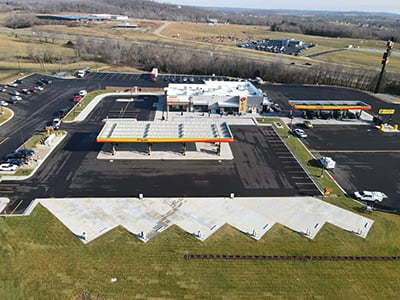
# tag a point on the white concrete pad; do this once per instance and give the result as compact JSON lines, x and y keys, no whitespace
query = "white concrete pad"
{"x":3,"y":203}
{"x":201,"y":217}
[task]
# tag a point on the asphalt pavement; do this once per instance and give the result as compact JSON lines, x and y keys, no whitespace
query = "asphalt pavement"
{"x":262,"y":166}
{"x":366,"y":158}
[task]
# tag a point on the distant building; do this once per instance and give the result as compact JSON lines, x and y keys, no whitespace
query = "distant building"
{"x":83,"y":18}
{"x":212,"y":21}
{"x":127,"y":25}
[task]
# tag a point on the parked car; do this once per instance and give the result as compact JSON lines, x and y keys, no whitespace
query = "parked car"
{"x":327,"y":163}
{"x":39,"y":88}
{"x":15,"y":93}
{"x":56,"y":123}
{"x":351,"y":114}
{"x":17,"y":161}
{"x":19,"y":81}
{"x":311,"y":114}
{"x":46,"y":80}
{"x":299,"y":133}
{"x":8,"y":167}
{"x":308,"y":124}
{"x":325,"y":114}
{"x":276,"y":107}
{"x":12,"y":84}
{"x":370,"y":196}
{"x":26,"y":152}
{"x":40,"y":82}
{"x":82,"y":93}
{"x":33,"y":90}
{"x":3,"y":103}
{"x":26,"y":91}
{"x":77,"y":98}
{"x":62,"y":113}
{"x":3,"y":89}
{"x":22,"y":153}
{"x":14,"y":99}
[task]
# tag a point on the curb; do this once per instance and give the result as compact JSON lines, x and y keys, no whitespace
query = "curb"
{"x":10,"y":118}
{"x":20,"y":178}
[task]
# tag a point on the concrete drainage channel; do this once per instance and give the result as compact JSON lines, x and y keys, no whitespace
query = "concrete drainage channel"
{"x":291,"y":257}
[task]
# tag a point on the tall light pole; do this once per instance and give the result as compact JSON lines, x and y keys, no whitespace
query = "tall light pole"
{"x":385,"y":61}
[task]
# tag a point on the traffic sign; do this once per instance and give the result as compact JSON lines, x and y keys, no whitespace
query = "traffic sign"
{"x":386,"y":112}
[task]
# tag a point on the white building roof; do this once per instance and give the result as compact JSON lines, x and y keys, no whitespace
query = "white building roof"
{"x":213,"y":88}
{"x":133,"y":131}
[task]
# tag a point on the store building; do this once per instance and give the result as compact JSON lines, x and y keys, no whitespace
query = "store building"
{"x":226,"y":97}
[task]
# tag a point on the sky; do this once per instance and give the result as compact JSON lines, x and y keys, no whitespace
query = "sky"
{"x":390,"y":6}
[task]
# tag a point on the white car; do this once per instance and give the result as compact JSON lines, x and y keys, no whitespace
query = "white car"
{"x":12,"y":84}
{"x":299,"y":133}
{"x":39,"y":88}
{"x":82,"y":93}
{"x":370,"y":196}
{"x":327,"y":162}
{"x":8,"y":167}
{"x":56,"y":123}
{"x":3,"y":103}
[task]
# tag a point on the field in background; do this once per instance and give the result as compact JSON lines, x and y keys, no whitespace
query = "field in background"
{"x":220,"y":38}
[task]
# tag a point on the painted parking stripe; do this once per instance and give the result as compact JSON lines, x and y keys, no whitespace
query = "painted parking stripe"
{"x":4,"y":140}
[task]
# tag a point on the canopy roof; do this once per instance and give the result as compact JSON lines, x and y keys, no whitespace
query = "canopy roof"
{"x":133,"y":131}
{"x":329,"y":104}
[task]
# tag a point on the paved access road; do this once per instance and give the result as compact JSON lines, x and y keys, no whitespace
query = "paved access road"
{"x":366,"y":158}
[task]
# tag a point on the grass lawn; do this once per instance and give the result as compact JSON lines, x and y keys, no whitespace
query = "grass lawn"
{"x":77,"y":109}
{"x":5,"y":114}
{"x":41,"y":259}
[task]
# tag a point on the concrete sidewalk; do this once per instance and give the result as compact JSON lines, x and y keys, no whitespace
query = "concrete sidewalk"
{"x":89,"y":218}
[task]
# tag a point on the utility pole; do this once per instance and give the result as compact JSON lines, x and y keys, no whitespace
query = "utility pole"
{"x":385,"y":61}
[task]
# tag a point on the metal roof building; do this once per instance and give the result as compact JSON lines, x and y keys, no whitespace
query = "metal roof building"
{"x":133,"y":131}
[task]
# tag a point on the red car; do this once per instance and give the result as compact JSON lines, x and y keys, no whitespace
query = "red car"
{"x":33,"y":90}
{"x":77,"y":98}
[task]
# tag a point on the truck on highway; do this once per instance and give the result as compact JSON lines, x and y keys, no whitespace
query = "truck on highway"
{"x":154,"y":74}
{"x":83,"y":72}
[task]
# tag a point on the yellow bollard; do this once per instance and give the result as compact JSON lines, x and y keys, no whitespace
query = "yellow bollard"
{"x":396,"y":127}
{"x":382,"y":127}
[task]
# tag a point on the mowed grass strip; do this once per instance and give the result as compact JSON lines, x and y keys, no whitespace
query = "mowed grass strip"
{"x":42,"y":259}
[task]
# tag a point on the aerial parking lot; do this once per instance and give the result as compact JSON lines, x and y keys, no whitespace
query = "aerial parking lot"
{"x":366,"y":158}
{"x":262,"y":165}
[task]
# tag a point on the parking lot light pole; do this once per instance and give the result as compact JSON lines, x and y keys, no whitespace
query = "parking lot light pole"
{"x":385,"y":61}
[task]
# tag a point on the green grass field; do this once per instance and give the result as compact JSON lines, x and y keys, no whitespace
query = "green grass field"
{"x":41,"y":259}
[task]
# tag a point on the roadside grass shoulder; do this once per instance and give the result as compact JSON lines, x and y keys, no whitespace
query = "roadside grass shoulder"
{"x":79,"y":107}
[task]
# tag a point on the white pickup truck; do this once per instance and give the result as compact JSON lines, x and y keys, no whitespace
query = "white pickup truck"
{"x":370,"y":196}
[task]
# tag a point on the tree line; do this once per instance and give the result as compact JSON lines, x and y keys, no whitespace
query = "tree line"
{"x":355,"y":25}
{"x":179,"y":60}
